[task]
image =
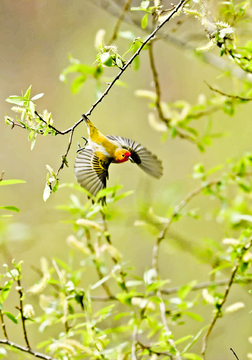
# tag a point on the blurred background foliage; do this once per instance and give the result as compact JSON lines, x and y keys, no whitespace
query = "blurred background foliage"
{"x":54,"y":46}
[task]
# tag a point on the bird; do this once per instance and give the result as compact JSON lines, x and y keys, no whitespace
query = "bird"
{"x":94,"y":158}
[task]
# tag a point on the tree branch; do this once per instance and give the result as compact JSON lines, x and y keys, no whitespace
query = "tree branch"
{"x":222,"y":302}
{"x":158,"y":97}
{"x":176,"y":211}
{"x":208,"y":58}
{"x":235,"y":97}
{"x":119,"y":20}
{"x":234,"y":353}
{"x":26,"y":350}
{"x":3,"y":325}
{"x":20,"y":292}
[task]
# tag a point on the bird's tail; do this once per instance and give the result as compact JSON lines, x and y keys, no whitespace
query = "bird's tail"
{"x":92,"y":130}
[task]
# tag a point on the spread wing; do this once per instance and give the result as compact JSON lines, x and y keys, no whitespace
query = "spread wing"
{"x":91,"y":173}
{"x":141,"y":156}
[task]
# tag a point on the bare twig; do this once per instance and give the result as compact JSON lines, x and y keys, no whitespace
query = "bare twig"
{"x":119,"y":20}
{"x":234,"y":353}
{"x":26,"y":350}
{"x":176,"y":211}
{"x":20,"y":308}
{"x":2,"y":175}
{"x":235,"y":97}
{"x":3,"y":325}
{"x":223,"y":300}
{"x":64,"y":160}
{"x":158,"y":97}
{"x":174,"y":290}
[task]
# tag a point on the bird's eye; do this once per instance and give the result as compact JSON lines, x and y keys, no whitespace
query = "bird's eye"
{"x":123,"y":155}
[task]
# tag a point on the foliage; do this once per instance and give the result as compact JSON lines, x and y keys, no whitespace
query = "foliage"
{"x":137,"y":317}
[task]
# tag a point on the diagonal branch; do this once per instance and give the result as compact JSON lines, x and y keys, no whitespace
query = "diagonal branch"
{"x":26,"y":350}
{"x":175,"y":213}
{"x":119,"y":20}
{"x":209,"y":58}
{"x":222,"y":302}
{"x":158,"y":96}
{"x":235,"y":97}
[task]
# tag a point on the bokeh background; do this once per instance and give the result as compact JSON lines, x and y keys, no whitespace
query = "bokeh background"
{"x":36,"y":38}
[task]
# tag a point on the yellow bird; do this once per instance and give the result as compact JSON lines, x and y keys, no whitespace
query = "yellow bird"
{"x":93,"y":160}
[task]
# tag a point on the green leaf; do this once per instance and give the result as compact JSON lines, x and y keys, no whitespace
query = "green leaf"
{"x":195,"y":338}
{"x":144,"y":21}
{"x":10,"y":208}
{"x":17,"y":100}
{"x":193,"y":315}
{"x":62,"y":264}
{"x":107,"y":191}
{"x":28,"y":93}
{"x":192,"y":356}
{"x":106,"y":59}
{"x":219,"y":268}
{"x":185,"y":338}
{"x":77,"y":83}
{"x":184,"y":290}
{"x":10,"y":316}
{"x":11,"y":182}
{"x":157,"y":285}
{"x":5,"y":291}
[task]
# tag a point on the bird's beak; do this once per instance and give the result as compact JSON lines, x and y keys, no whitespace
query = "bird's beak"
{"x":130,"y":159}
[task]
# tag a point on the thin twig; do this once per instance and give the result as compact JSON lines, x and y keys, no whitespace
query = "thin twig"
{"x":119,"y":20}
{"x":2,"y":175}
{"x":49,"y":125}
{"x":174,"y":290}
{"x":153,"y":352}
{"x":134,"y":343}
{"x":176,"y":211}
{"x":20,"y":292}
{"x":64,"y":161}
{"x":3,"y":325}
{"x":236,"y":97}
{"x":234,"y":353}
{"x":169,"y":340}
{"x":158,"y":96}
{"x":26,"y":350}
{"x":222,"y":302}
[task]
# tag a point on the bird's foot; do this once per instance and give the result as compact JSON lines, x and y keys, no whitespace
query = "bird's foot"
{"x":80,"y":148}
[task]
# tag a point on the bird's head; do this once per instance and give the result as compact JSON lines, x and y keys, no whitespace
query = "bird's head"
{"x":122,"y":155}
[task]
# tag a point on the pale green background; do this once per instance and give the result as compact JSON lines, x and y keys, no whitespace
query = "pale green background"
{"x":35,"y":39}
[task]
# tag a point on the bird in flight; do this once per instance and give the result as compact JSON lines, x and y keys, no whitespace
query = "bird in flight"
{"x":93,"y":160}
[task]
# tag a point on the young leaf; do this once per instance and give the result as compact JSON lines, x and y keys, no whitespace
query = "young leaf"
{"x":10,"y":316}
{"x":144,"y":21}
{"x":11,"y":208}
